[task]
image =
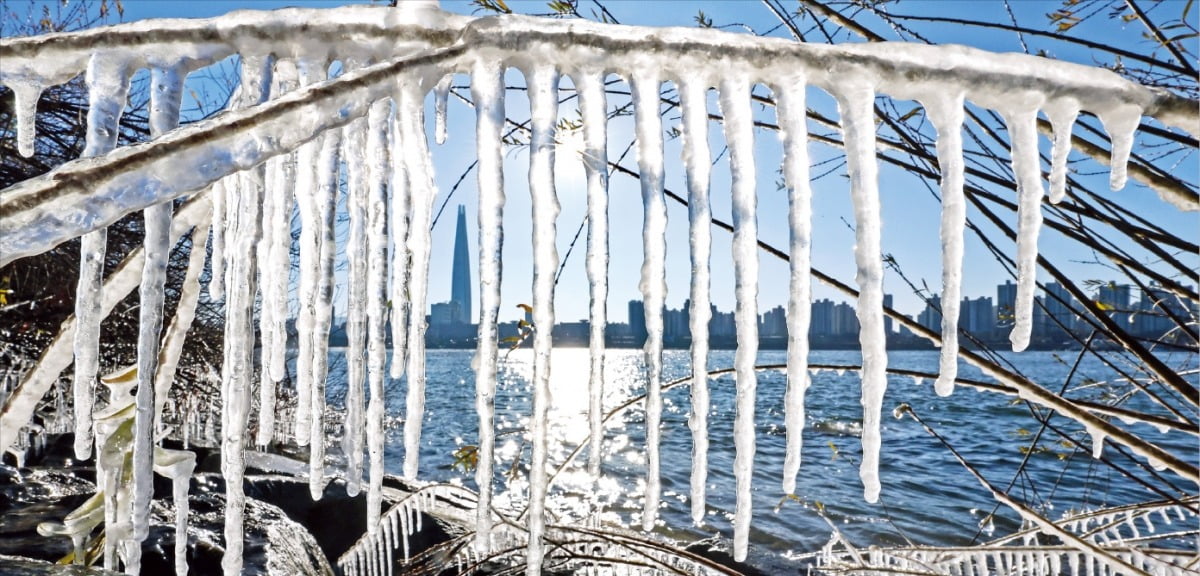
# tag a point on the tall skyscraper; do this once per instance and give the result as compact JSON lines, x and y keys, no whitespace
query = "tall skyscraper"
{"x":460,"y":282}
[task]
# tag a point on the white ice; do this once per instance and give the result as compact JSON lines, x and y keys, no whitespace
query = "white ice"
{"x":945,"y":111}
{"x":793,"y":117}
{"x":487,"y":91}
{"x":739,"y":134}
{"x":543,"y":103}
{"x":696,"y":160}
{"x":378,"y":175}
{"x":653,"y":283}
{"x":856,"y":99}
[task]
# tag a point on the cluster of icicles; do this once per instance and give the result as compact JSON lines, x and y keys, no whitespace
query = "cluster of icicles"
{"x":374,"y":131}
{"x":1115,"y":527}
{"x":1031,"y":561}
{"x":377,"y":553}
{"x":1109,"y":533}
{"x":590,"y":550}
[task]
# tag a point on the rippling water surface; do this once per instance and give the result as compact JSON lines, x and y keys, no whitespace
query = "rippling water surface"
{"x":927,"y":498}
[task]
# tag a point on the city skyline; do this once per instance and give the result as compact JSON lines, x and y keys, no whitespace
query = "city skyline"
{"x":1058,"y":319}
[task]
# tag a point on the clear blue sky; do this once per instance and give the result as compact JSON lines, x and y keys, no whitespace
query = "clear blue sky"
{"x":910,"y":212}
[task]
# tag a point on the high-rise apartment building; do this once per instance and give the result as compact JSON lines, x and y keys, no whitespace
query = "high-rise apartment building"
{"x":1006,"y":303}
{"x":931,"y":316}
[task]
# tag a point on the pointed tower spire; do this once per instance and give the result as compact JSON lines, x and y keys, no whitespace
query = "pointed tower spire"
{"x":460,"y":282}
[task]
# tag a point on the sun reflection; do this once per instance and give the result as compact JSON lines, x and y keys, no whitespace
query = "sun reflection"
{"x":575,"y":495}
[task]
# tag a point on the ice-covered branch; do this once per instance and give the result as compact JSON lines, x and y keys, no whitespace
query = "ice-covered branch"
{"x":88,"y":194}
{"x":20,"y":405}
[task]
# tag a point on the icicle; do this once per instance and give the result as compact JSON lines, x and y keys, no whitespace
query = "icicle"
{"x":1022,"y":128}
{"x":1129,"y":521}
{"x":389,"y":538}
{"x":239,"y":331}
{"x":185,"y":313}
{"x":697,"y":163}
{"x":400,"y":250}
{"x":593,"y":110}
{"x":946,"y":113}
{"x":794,"y":132}
{"x":1062,"y":118}
{"x":26,"y":95}
{"x":166,"y":92}
{"x":419,"y":510}
{"x":423,"y":190}
{"x":440,"y":94}
{"x":543,"y":104}
{"x":108,"y":85}
{"x":314,"y":427}
{"x":645,"y":86}
{"x":266,"y":311}
{"x":377,"y":295}
{"x":177,"y":465}
{"x":310,"y":249}
{"x":739,"y":134}
{"x":487,"y":91}
{"x":856,"y":103}
{"x":279,"y":265}
{"x":353,"y":148}
{"x":1097,"y":436}
{"x":405,"y":530}
{"x":1120,"y":123}
{"x":216,"y":279}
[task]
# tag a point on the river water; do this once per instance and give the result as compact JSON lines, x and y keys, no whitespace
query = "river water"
{"x":928,"y":496}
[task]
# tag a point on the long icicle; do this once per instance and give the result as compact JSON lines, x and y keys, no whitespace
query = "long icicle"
{"x":401,"y":208}
{"x":543,"y":103}
{"x":166,"y":93}
{"x":793,"y":120}
{"x":275,"y":267}
{"x":280,"y":265}
{"x":327,"y":192}
{"x":172,"y":348}
{"x":739,"y":134}
{"x":856,"y":104}
{"x":1022,"y":129}
{"x":697,"y":159}
{"x":422,"y":190}
{"x":487,"y":90}
{"x":945,"y":111}
{"x":267,"y":383}
{"x":239,"y":330}
{"x":593,"y":109}
{"x":216,"y":279}
{"x":310,"y":72}
{"x":354,"y":149}
{"x":181,"y":322}
{"x":378,"y":173}
{"x":108,"y":85}
{"x":645,"y":86}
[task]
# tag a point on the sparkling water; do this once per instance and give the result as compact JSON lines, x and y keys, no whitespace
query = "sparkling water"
{"x":927,"y":498}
